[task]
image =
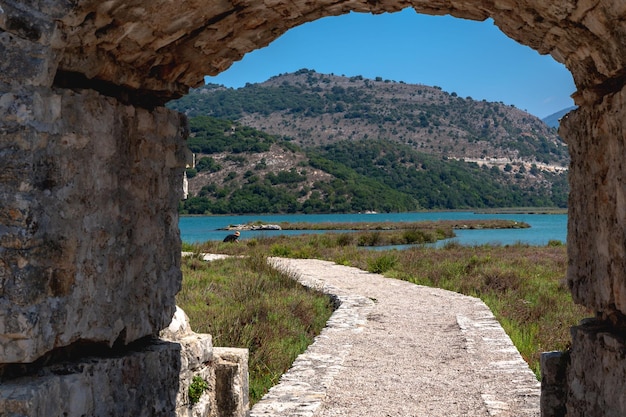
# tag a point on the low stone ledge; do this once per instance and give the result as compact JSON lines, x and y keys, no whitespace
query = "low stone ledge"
{"x":553,"y":383}
{"x":509,"y":387}
{"x":138,"y":383}
{"x":302,"y":389}
{"x":596,"y":371}
{"x":224,"y":370}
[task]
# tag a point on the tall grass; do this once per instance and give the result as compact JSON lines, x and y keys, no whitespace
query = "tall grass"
{"x":244,"y":302}
{"x":524,"y":286}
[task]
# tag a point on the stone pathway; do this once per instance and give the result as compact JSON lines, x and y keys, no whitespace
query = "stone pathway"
{"x":397,"y":349}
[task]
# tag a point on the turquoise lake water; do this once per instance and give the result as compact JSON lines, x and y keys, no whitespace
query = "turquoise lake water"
{"x":544,"y":227}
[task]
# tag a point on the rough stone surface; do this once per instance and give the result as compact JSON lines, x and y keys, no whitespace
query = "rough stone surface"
{"x":597,"y":371}
{"x":597,"y":210}
{"x":88,"y":193}
{"x":553,"y":390}
{"x":142,"y":382}
{"x":155,"y":47}
{"x":119,"y":42}
{"x":225,"y":370}
{"x":231,"y":382}
{"x":393,"y":348}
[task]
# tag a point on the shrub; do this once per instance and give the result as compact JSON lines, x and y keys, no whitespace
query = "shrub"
{"x":344,"y":239}
{"x":452,"y":245}
{"x":196,"y":388}
{"x":418,"y":236}
{"x":280,"y":250}
{"x":369,"y":239}
{"x":381,"y":264}
{"x":191,"y":172}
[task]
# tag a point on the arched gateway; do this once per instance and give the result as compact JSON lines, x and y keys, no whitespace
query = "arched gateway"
{"x":90,"y":168}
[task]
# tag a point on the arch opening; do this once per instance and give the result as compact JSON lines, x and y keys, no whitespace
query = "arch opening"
{"x":491,"y":155}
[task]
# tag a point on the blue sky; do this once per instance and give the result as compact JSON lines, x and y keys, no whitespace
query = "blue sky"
{"x":470,"y":58}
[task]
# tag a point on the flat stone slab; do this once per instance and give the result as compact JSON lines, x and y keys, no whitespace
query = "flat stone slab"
{"x":393,"y":348}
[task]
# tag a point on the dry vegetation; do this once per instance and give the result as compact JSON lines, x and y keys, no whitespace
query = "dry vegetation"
{"x":524,"y":286}
{"x":243,"y":302}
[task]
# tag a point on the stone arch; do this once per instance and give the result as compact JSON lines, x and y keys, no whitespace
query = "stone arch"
{"x":80,"y":92}
{"x":125,"y":44}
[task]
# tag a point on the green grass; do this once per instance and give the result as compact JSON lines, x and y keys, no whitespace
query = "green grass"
{"x":243,"y":302}
{"x":524,"y":286}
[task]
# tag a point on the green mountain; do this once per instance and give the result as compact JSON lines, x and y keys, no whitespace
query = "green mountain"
{"x":315,"y":109}
{"x":308,"y":142}
{"x":241,"y":170}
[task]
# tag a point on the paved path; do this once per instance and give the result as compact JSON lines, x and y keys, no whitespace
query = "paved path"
{"x":397,"y":349}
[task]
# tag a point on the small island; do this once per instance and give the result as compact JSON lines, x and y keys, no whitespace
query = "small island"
{"x":388,"y":233}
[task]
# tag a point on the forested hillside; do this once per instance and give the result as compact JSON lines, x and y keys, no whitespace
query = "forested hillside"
{"x":242,"y":170}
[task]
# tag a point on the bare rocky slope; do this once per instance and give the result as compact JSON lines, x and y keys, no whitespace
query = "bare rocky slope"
{"x":316,"y":109}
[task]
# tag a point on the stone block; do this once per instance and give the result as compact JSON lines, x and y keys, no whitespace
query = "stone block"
{"x":90,"y":247}
{"x":225,"y":370}
{"x":553,"y":384}
{"x":28,"y":34}
{"x":597,"y":371}
{"x":25,"y":62}
{"x":231,"y":381}
{"x":196,"y":358}
{"x":32,"y":20}
{"x":139,"y":382}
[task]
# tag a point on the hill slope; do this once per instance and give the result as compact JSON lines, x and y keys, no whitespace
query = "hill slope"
{"x":553,"y":119}
{"x":308,"y":142}
{"x":241,"y":170}
{"x":316,"y":109}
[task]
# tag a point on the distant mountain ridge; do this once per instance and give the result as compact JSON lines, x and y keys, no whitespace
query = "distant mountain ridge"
{"x":553,"y":120}
{"x":315,"y":109}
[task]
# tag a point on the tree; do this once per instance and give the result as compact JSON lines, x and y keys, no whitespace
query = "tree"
{"x":208,"y":164}
{"x":534,"y":170}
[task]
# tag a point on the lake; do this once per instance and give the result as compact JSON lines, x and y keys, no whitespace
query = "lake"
{"x":544,"y":227}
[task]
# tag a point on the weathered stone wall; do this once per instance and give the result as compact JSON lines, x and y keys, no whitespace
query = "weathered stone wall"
{"x":141,"y":382}
{"x":152,"y":46}
{"x":591,"y":376}
{"x":90,"y":242}
{"x":597,"y":213}
{"x":150,"y":378}
{"x":225,"y":370}
{"x":597,"y":371}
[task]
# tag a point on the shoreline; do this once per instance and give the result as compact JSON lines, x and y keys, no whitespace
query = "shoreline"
{"x":501,"y":210}
{"x":383,"y":226}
